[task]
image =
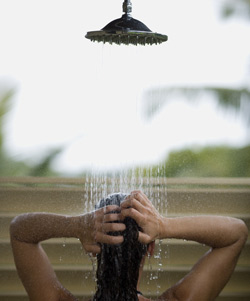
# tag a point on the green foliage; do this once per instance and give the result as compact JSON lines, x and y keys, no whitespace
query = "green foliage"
{"x":239,"y":8}
{"x":43,"y":168}
{"x":5,"y":106}
{"x":207,"y":162}
{"x":228,"y":98}
{"x":10,"y":166}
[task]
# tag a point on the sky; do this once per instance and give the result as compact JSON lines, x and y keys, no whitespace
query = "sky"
{"x":89,"y":98}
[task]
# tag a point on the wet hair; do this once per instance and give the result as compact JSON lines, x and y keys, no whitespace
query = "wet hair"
{"x":118,"y":265}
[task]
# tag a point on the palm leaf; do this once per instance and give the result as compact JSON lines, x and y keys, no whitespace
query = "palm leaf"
{"x":5,"y":106}
{"x":43,"y":168}
{"x":240,"y":8}
{"x":228,"y":98}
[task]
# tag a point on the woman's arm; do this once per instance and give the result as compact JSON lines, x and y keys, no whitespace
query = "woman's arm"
{"x":226,"y":236}
{"x":32,"y":263}
{"x":213,"y":231}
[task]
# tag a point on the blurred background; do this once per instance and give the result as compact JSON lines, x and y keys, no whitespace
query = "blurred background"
{"x":69,"y":107}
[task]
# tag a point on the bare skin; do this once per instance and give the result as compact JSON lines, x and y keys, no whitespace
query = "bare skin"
{"x":226,"y":236}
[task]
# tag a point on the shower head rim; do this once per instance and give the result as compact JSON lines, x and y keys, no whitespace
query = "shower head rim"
{"x":106,"y":36}
{"x":123,"y":32}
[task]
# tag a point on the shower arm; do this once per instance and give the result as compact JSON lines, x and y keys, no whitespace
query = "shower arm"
{"x":127,"y":8}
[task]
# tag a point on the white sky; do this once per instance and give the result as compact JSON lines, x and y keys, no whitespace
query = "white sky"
{"x":88,"y":97}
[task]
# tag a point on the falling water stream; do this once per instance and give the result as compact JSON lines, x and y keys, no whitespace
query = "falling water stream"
{"x":130,"y":81}
{"x":98,"y":186}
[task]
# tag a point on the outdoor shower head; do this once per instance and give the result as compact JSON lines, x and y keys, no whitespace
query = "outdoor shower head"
{"x":126,"y":30}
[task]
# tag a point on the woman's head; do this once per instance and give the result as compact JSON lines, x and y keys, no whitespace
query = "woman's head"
{"x":118,"y":265}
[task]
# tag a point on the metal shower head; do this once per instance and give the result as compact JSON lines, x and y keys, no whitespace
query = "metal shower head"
{"x":126,"y":30}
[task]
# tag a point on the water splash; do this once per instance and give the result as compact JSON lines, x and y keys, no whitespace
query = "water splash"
{"x":151,"y":182}
{"x":94,"y":265}
{"x":150,"y":273}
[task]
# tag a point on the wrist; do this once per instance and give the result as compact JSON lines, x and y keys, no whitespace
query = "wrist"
{"x":163,"y":227}
{"x":83,"y":225}
{"x":71,"y":226}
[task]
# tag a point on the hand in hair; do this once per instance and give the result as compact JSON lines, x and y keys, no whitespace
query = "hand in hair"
{"x":101,"y":222}
{"x":140,"y":208}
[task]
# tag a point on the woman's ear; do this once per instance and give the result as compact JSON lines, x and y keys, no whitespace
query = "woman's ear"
{"x":151,"y":248}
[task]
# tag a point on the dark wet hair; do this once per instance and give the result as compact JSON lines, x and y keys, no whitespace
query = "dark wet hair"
{"x":118,"y":265}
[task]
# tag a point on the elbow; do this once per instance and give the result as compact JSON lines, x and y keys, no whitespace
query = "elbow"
{"x":242,"y":231}
{"x":15,"y":226}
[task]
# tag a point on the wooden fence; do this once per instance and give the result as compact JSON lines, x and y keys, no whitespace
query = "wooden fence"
{"x":173,"y":258}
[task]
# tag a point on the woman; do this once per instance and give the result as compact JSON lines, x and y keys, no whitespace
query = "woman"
{"x":107,"y":231}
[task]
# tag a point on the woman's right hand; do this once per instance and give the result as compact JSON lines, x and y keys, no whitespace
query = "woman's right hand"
{"x":140,"y":208}
{"x":95,"y":225}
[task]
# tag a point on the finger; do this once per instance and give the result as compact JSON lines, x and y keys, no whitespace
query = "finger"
{"x":109,"y":239}
{"x":140,"y":196}
{"x":111,"y":227}
{"x":106,"y":210}
{"x":112,"y":217}
{"x":94,"y":249}
{"x":132,"y":203}
{"x":133,"y":213}
{"x":144,"y":238}
{"x":110,"y":208}
{"x":136,"y":191}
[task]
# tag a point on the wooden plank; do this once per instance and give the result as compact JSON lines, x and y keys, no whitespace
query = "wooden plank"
{"x":19,"y":297}
{"x":172,"y":253}
{"x":190,"y":196}
{"x":87,"y":298}
{"x":75,"y":200}
{"x":110,"y":180}
{"x":83,"y":281}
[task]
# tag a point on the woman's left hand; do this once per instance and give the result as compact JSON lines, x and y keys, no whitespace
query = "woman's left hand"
{"x":139,"y":207}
